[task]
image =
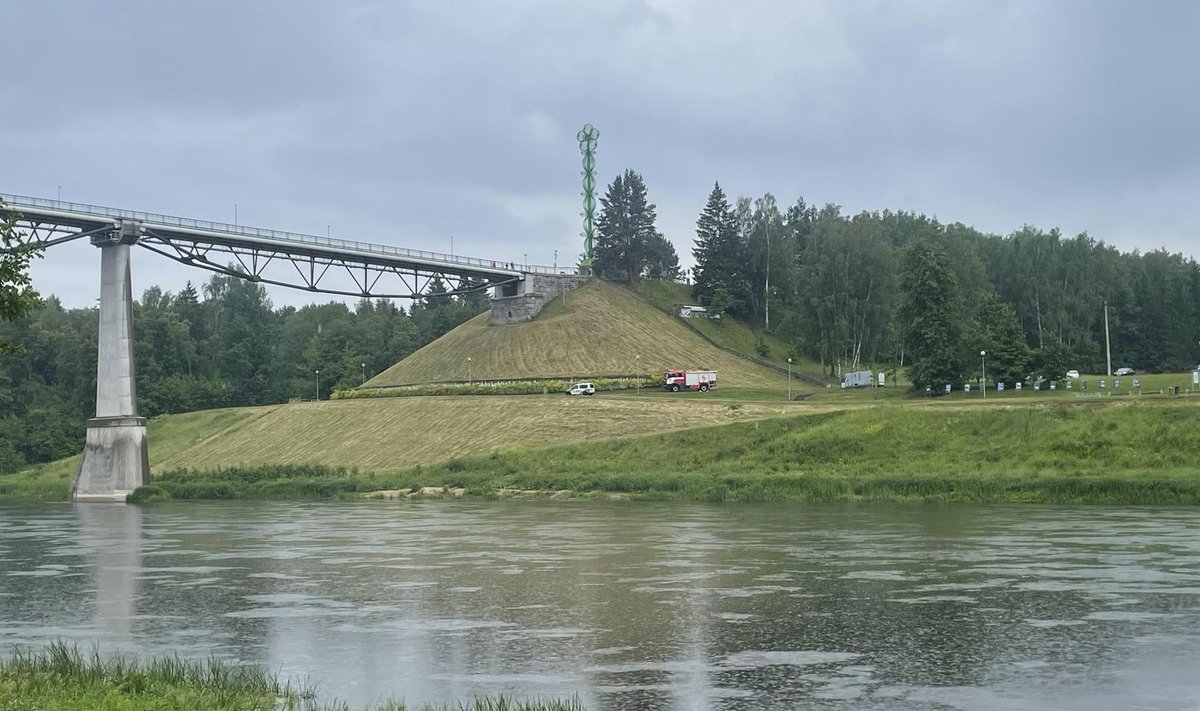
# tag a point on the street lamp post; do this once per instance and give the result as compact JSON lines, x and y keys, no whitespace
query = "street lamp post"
{"x":469,"y":379}
{"x":318,"y":384}
{"x":983,"y":367}
{"x":638,"y":374}
{"x":789,"y":379}
{"x":364,"y":373}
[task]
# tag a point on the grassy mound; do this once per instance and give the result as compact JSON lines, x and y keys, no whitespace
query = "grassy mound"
{"x":598,"y":329}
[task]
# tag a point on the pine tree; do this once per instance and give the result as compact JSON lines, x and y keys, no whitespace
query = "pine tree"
{"x":1003,"y":338}
{"x":661,"y":260}
{"x":930,"y":312}
{"x":713,"y":228}
{"x":628,"y":245}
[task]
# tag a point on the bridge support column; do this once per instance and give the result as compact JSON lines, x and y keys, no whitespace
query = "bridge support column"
{"x":115,"y":460}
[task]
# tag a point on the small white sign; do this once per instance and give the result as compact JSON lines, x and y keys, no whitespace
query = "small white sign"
{"x":1018,"y":386}
{"x":1000,"y":387}
{"x":1054,"y":385}
{"x":947,"y":388}
{"x":966,"y":387}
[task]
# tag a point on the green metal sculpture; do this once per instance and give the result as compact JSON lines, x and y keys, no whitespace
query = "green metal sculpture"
{"x":587,"y":137}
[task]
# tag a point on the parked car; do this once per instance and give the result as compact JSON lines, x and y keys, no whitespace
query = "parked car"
{"x":582,"y":389}
{"x":1072,"y":373}
{"x":1124,"y":371}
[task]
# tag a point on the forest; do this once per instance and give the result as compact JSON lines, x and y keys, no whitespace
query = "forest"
{"x":900,"y":288}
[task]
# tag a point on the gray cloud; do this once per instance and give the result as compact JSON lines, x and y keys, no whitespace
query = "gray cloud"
{"x":408,"y":122}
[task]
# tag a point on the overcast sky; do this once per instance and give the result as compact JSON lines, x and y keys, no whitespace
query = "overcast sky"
{"x":408,"y":122}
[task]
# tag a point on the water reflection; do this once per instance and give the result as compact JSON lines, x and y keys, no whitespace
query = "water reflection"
{"x":634,"y":607}
{"x":111,"y":537}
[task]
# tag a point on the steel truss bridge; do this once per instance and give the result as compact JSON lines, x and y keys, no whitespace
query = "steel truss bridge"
{"x":115,"y":459}
{"x":289,"y":259}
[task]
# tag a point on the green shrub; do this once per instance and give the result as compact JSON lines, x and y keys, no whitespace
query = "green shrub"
{"x":148,"y":495}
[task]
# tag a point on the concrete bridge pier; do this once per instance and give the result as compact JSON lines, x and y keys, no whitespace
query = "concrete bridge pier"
{"x":115,"y":460}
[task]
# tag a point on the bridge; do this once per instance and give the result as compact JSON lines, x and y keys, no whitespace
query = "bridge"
{"x":115,"y":458}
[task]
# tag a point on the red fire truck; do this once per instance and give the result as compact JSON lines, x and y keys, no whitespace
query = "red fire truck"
{"x":702,"y":380}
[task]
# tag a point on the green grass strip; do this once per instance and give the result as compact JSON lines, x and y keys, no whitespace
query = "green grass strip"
{"x":63,"y":677}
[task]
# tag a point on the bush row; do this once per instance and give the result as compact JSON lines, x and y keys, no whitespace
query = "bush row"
{"x":509,"y":387}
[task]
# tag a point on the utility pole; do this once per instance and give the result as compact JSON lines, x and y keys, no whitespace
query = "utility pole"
{"x":767,"y":289}
{"x":1107,"y":349}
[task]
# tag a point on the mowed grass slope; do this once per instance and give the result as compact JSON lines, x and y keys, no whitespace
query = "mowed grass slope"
{"x":600,"y":329}
{"x":727,"y":332}
{"x":394,"y":433}
{"x":169,"y":435}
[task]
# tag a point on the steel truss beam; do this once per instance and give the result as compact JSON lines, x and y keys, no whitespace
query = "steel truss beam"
{"x":314,"y":269}
{"x":311,"y":272}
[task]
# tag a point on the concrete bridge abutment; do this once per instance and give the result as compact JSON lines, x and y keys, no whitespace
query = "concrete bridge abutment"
{"x":115,"y":459}
{"x":514,"y":303}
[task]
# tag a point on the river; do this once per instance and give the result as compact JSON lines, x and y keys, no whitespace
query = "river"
{"x":633,"y":606}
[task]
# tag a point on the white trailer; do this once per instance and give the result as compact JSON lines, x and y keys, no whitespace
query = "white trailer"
{"x":857,"y":379}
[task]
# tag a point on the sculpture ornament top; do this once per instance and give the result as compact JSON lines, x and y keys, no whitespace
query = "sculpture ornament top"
{"x":588,"y":137}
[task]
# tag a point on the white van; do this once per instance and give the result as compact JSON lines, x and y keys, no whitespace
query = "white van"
{"x":582,"y":389}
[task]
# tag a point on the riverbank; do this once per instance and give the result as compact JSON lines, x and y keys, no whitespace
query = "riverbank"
{"x":1095,"y":453}
{"x":62,"y":677}
{"x":1098,"y":451}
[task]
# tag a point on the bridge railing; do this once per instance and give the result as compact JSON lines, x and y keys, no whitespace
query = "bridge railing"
{"x":16,"y":202}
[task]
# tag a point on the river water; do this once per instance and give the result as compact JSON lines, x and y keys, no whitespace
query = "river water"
{"x":633,"y":606}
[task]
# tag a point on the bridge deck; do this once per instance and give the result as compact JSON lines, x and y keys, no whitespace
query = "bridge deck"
{"x":65,"y":216}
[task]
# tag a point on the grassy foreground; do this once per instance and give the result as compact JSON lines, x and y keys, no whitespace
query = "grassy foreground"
{"x":390,"y":434}
{"x":61,"y":677}
{"x":1134,"y":452}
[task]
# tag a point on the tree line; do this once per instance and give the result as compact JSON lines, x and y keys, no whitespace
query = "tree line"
{"x":903,"y":288}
